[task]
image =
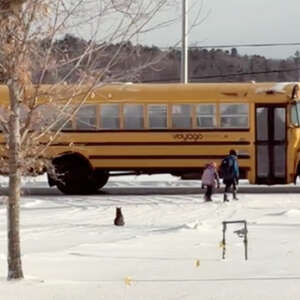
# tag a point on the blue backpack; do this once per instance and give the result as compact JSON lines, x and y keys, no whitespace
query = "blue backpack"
{"x":227,"y":168}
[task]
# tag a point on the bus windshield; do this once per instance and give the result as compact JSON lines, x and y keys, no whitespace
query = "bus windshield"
{"x":295,"y":117}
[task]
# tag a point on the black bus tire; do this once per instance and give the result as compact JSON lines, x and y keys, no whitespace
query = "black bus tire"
{"x":100,"y":178}
{"x":74,"y":175}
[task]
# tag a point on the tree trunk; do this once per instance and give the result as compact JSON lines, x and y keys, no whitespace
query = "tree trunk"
{"x":13,"y":206}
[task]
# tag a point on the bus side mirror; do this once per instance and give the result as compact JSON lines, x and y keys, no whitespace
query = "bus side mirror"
{"x":292,"y":126}
{"x":295,"y":92}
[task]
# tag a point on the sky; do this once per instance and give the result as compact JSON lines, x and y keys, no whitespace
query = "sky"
{"x":235,"y":22}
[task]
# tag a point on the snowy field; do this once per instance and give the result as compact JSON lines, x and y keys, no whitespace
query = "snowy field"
{"x":169,"y":248}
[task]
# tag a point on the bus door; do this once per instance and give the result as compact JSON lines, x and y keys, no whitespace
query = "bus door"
{"x":270,"y":144}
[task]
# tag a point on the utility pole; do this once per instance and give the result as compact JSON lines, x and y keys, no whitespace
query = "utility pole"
{"x":184,"y":50}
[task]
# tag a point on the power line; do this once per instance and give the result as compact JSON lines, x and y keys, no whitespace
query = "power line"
{"x":246,"y":73}
{"x":193,"y":78}
{"x":254,"y":45}
{"x":247,"y":45}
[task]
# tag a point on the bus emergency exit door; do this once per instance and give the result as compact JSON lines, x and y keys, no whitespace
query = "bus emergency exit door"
{"x":270,"y":144}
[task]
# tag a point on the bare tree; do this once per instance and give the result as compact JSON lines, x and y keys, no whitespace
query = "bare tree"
{"x":30,"y":55}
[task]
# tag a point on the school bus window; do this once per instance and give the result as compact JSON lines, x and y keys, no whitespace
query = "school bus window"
{"x":279,"y":123}
{"x":206,"y":116}
{"x":3,"y":117}
{"x":40,"y":116}
{"x":86,"y":117}
{"x":110,"y":116}
{"x":262,"y":124}
{"x":43,"y":116}
{"x":24,"y":111}
{"x":263,"y":161}
{"x":157,"y":114}
{"x":295,"y":117}
{"x":181,"y":116}
{"x":234,"y":115}
{"x":280,"y":163}
{"x":133,"y":116}
{"x":63,"y":120}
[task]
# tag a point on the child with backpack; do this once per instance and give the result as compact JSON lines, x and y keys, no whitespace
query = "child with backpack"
{"x":229,"y":170}
{"x":210,"y":178}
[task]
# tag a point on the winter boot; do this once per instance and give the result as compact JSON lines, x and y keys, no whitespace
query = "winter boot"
{"x":207,"y":199}
{"x":234,"y":195}
{"x":225,"y":198}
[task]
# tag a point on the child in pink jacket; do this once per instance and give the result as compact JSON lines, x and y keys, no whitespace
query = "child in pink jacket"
{"x":210,"y":178}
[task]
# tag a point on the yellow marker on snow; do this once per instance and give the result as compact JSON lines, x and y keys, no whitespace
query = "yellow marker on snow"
{"x":197,"y":263}
{"x":128,"y":280}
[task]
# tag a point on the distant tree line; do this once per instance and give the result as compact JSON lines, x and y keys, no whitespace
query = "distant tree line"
{"x":214,"y":65}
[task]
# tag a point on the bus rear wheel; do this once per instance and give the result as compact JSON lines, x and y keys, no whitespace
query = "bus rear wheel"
{"x":74,"y":175}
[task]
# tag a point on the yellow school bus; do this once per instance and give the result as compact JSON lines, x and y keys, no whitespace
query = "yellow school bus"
{"x":178,"y":128}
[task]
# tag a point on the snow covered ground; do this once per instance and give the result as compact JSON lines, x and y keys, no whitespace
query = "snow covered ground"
{"x":169,"y":248}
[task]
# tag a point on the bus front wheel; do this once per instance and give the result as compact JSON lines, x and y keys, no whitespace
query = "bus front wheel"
{"x":100,"y":178}
{"x":74,"y":175}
